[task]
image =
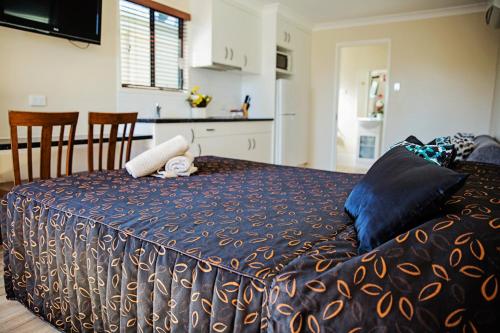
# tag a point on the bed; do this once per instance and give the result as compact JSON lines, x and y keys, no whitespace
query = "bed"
{"x":244,"y":247}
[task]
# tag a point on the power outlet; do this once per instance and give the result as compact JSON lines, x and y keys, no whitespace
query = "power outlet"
{"x":37,"y":100}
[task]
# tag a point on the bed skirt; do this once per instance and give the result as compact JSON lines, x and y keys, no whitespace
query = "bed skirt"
{"x":83,"y":276}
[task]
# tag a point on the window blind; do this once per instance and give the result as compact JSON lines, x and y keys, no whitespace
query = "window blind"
{"x":152,"y":48}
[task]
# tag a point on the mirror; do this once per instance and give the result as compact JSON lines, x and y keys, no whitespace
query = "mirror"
{"x":376,"y":93}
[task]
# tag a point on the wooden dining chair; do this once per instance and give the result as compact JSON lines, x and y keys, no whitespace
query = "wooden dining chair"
{"x":115,"y":120}
{"x":47,"y":121}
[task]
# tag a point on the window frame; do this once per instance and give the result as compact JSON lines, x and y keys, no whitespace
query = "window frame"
{"x":155,"y":7}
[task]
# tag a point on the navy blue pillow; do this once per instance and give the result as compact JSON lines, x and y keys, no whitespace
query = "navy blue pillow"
{"x":399,"y":192}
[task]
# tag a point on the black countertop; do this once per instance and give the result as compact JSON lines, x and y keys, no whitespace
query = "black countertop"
{"x":198,"y":120}
{"x":79,"y":140}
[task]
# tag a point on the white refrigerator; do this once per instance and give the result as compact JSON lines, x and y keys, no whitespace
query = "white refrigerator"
{"x":291,"y":125}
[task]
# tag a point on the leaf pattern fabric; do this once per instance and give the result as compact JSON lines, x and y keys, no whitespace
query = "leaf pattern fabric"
{"x":107,"y":252}
{"x":439,"y":277}
{"x":244,"y":247}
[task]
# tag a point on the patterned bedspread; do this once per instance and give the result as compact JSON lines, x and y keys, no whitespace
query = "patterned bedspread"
{"x":244,"y":247}
{"x":105,"y":251}
{"x":439,"y":277}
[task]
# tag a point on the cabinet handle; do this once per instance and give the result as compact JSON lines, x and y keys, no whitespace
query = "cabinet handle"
{"x":254,"y":144}
{"x":227,"y":53}
{"x":246,"y":60}
{"x":249,"y":144}
{"x":199,"y":149}
{"x":192,"y":135}
{"x":289,"y":37}
{"x":232,"y":53}
{"x":210,"y":129}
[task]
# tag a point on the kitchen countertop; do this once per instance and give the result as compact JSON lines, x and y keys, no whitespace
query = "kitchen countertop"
{"x":79,"y":140}
{"x":198,"y":120}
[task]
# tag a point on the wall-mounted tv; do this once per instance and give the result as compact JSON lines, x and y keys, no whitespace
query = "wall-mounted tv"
{"x":72,"y":19}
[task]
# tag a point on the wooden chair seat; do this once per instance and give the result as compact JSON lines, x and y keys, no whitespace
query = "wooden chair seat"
{"x":127,"y":120}
{"x":47,"y":121}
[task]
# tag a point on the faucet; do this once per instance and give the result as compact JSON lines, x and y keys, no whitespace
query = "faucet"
{"x":158,"y":110}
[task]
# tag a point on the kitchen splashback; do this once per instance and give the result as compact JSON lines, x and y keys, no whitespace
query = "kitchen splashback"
{"x":224,"y":87}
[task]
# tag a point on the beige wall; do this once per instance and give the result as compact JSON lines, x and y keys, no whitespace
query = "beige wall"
{"x":446,"y":67}
{"x":495,"y":116}
{"x":72,"y":79}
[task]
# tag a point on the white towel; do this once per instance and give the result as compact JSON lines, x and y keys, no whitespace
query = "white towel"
{"x":155,"y":158}
{"x":178,"y":166}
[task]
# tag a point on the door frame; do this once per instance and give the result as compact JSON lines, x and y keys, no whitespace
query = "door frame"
{"x":338,"y":48}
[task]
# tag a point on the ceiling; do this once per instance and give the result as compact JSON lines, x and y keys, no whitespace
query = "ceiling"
{"x":322,"y":11}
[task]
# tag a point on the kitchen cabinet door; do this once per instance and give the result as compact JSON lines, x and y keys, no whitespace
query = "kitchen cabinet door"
{"x":285,"y":34}
{"x":165,"y":132}
{"x":223,"y":146}
{"x":261,"y":149}
{"x":251,"y":147}
{"x":227,"y":41}
{"x":225,"y":33}
{"x":249,"y":42}
{"x":222,"y":35}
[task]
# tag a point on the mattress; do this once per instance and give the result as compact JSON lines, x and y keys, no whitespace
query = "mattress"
{"x":107,"y":252}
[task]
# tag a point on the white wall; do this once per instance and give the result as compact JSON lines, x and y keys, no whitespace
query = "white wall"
{"x":84,"y":80}
{"x":446,"y":67}
{"x":355,"y":65}
{"x":495,"y":116}
{"x":72,"y":79}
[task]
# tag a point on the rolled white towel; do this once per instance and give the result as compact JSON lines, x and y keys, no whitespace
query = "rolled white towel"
{"x":180,"y":164}
{"x":166,"y":174}
{"x":155,"y":158}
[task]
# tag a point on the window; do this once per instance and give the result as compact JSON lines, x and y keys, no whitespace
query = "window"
{"x":152,"y":40}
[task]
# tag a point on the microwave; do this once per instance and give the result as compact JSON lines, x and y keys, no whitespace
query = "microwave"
{"x":283,"y":62}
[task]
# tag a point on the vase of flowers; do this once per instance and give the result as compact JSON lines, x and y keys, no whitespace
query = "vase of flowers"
{"x":198,"y":103}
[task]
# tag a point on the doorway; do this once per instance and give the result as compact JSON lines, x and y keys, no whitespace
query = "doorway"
{"x":362,"y":87}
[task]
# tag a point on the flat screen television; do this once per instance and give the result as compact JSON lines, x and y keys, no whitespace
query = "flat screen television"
{"x":72,"y":19}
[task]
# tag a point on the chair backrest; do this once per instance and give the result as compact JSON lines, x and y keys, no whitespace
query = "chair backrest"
{"x":45,"y":120}
{"x":115,"y":120}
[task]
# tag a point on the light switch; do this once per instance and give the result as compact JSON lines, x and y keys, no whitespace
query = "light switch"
{"x":37,"y":100}
{"x":397,"y":86}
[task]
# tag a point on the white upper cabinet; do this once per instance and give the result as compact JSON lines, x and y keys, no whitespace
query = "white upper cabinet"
{"x":225,"y":35}
{"x":249,"y":37}
{"x":286,"y":34}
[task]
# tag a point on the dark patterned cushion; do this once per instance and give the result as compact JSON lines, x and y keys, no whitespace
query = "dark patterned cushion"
{"x":399,"y":192}
{"x":442,"y":140}
{"x":440,"y":154}
{"x":463,"y":144}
